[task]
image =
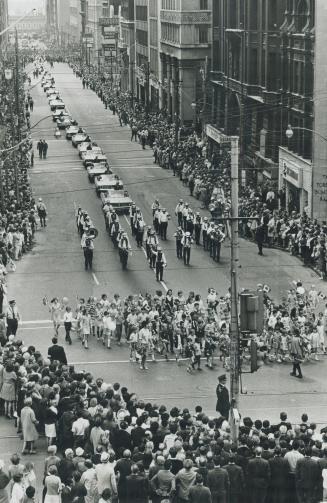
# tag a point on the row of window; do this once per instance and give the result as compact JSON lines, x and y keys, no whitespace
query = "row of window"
{"x":170,"y":32}
{"x":173,"y":4}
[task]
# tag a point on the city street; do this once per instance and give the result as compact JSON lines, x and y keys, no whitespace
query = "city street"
{"x":55,"y":267}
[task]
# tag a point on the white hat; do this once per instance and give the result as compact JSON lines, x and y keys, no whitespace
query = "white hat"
{"x":104,"y":457}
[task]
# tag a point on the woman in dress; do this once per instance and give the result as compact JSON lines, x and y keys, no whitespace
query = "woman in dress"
{"x":55,"y":310}
{"x":50,"y":420}
{"x":85,"y":323}
{"x":28,"y":422}
{"x":53,"y":486}
{"x":8,"y":391}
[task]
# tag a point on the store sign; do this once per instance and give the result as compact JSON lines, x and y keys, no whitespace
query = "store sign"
{"x":293,"y":174}
{"x":216,"y":135}
{"x":109,"y":21}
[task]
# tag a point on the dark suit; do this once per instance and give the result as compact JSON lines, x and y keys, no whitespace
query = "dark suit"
{"x":236,"y":480}
{"x":137,"y":489}
{"x":258,"y":476}
{"x":56,"y":352}
{"x":278,"y":487}
{"x":223,"y":404}
{"x":307,"y":480}
{"x":218,"y":483}
{"x":199,"y":494}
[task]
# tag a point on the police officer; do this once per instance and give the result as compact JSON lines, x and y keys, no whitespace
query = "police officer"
{"x":197,"y":227}
{"x":223,"y":404}
{"x":179,"y":212}
{"x":88,"y":247}
{"x":179,"y":247}
{"x":186,"y":243}
{"x":160,"y":263}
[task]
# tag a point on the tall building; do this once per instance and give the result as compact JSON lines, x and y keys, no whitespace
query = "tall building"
{"x":51,"y":13}
{"x":185,"y":42}
{"x":3,"y":23}
{"x":127,"y":46}
{"x":268,"y":69}
{"x":29,"y":24}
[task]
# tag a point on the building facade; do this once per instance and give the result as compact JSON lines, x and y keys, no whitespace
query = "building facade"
{"x":126,"y":46}
{"x":263,"y":65}
{"x":30,"y":24}
{"x":3,"y":23}
{"x":185,"y":43}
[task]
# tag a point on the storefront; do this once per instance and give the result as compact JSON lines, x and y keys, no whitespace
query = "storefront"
{"x":295,"y":180}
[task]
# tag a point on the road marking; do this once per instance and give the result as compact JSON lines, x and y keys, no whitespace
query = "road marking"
{"x":133,"y":167}
{"x":36,"y":328}
{"x":96,"y":281}
{"x":39,"y":322}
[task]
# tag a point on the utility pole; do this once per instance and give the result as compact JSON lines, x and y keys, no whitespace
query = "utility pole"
{"x":1,"y":186}
{"x":234,"y":331}
{"x":17,"y":86}
{"x":147,"y":87}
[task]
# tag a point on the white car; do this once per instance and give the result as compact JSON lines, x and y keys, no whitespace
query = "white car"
{"x":52,"y":90}
{"x":79,"y":138}
{"x":105,"y":182}
{"x":90,"y":157}
{"x":72,"y":131}
{"x":58,"y":112}
{"x":86,"y":151}
{"x":57,"y":103}
{"x":99,"y":169}
{"x":119,"y":200}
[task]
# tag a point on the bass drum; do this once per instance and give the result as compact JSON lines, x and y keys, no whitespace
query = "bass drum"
{"x":92,"y":233}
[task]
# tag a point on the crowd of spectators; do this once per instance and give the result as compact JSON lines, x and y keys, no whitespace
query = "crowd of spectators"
{"x":104,"y":443}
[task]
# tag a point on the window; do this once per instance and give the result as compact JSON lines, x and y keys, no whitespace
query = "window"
{"x":170,"y":32}
{"x":154,"y":65}
{"x":142,"y":37}
{"x":203,"y":34}
{"x":203,"y":4}
{"x":168,"y":4}
{"x":153,"y":8}
{"x":153,"y":32}
{"x":301,"y":15}
{"x":141,"y":13}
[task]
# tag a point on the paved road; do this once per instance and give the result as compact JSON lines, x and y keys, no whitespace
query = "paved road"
{"x":55,"y":267}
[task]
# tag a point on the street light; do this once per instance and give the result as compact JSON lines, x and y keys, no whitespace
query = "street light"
{"x":290,"y":132}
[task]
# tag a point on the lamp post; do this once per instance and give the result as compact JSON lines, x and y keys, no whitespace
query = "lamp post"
{"x":194,"y":108}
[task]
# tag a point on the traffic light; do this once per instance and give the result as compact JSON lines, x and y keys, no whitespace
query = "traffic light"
{"x":251,"y":311}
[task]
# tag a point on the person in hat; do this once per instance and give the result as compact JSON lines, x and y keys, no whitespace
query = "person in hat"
{"x":105,"y":475}
{"x":42,"y":212}
{"x":223,"y":403}
{"x":187,"y":243}
{"x":160,"y":263}
{"x":12,"y":317}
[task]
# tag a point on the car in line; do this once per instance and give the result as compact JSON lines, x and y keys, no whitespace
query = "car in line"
{"x":79,"y":138}
{"x":99,"y":169}
{"x":72,"y":131}
{"x":57,"y":103}
{"x":57,"y":113}
{"x":103,"y":183}
{"x":86,"y":145}
{"x":93,"y":157}
{"x":119,"y":200}
{"x":65,"y":121}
